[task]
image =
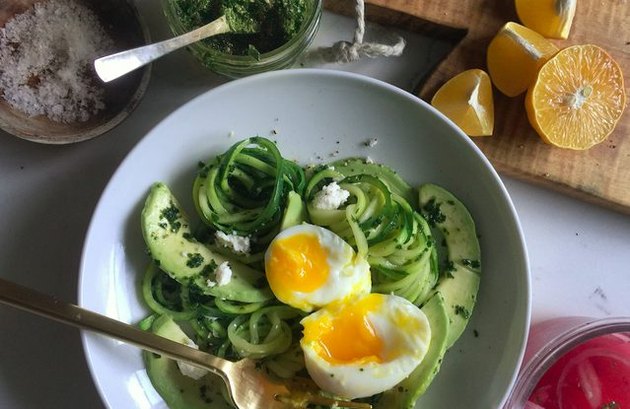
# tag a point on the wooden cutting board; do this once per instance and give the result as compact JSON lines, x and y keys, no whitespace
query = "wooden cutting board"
{"x":601,"y":174}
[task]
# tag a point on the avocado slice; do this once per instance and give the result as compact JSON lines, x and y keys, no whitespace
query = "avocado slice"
{"x":459,"y":283}
{"x":177,"y":390}
{"x":168,"y":236}
{"x":460,"y":295}
{"x":405,"y":394}
{"x":294,"y":212}
{"x":444,"y":211}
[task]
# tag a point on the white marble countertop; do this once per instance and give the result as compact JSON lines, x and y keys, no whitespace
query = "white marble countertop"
{"x":579,"y":253}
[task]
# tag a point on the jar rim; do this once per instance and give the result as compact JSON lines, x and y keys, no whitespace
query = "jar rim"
{"x":555,"y":348}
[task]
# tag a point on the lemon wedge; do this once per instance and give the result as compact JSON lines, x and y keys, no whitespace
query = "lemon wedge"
{"x":466,"y":99}
{"x":514,"y":56}
{"x":550,"y":18}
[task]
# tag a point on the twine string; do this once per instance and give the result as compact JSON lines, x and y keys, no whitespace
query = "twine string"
{"x":345,"y":52}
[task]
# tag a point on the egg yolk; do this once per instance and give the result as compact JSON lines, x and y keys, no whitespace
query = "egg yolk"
{"x":330,"y":335}
{"x":297,"y":263}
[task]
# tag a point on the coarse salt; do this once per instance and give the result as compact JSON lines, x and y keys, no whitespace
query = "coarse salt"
{"x":45,"y":61}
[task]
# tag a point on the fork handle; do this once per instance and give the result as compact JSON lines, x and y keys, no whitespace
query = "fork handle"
{"x":50,"y":307}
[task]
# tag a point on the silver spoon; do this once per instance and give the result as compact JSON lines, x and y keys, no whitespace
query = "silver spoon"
{"x":116,"y":65}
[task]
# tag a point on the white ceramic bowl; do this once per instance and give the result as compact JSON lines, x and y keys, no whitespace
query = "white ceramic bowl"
{"x":314,"y":115}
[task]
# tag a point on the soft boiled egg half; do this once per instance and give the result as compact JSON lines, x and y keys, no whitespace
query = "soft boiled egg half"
{"x":308,"y":267}
{"x":364,"y":347}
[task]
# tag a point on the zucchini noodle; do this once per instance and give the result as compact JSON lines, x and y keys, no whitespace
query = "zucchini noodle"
{"x":164,"y":295}
{"x":226,"y":328}
{"x":263,"y":333}
{"x":381,"y":224}
{"x":244,"y":190}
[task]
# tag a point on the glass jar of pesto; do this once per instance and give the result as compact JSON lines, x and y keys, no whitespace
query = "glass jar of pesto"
{"x":286,"y":29}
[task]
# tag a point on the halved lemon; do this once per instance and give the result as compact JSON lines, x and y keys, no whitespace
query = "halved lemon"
{"x":577,"y":98}
{"x":514,"y":56}
{"x":466,"y":99}
{"x":551,"y":18}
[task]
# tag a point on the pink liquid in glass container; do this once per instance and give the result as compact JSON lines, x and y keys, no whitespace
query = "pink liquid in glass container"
{"x":575,"y":363}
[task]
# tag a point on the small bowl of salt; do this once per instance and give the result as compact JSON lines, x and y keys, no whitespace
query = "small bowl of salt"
{"x":49,"y":92}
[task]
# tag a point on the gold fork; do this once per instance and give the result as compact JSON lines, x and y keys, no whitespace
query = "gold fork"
{"x":248,"y":386}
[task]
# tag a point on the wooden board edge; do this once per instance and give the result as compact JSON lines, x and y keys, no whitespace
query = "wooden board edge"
{"x":559,"y":187}
{"x":398,"y":19}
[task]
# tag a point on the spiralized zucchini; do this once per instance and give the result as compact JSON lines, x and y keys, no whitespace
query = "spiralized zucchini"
{"x":228,"y":329}
{"x":381,"y":224}
{"x":243,"y":191}
{"x":164,"y":295}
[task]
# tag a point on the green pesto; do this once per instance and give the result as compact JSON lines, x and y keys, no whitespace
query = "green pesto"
{"x":462,"y":311}
{"x":471,"y":263}
{"x":433,"y":213}
{"x":209,"y":268}
{"x":194,"y":260}
{"x":449,"y":268}
{"x":171,"y":214}
{"x":257,"y":26}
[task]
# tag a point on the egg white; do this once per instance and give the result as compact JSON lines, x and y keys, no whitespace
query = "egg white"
{"x":406,"y":333}
{"x":349,"y":274}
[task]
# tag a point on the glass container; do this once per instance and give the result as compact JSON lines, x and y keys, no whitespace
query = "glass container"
{"x":549,"y":341}
{"x":235,"y":66}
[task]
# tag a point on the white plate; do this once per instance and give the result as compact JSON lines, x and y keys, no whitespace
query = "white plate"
{"x":314,"y":115}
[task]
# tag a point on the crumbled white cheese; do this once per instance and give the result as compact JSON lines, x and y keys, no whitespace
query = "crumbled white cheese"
{"x":223,"y":273}
{"x":369,"y":160}
{"x":371,"y":142}
{"x":234,"y":242}
{"x":189,"y":370}
{"x":330,"y":197}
